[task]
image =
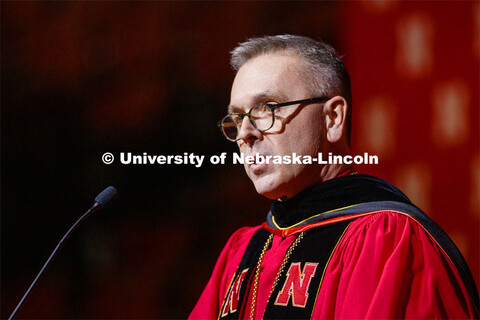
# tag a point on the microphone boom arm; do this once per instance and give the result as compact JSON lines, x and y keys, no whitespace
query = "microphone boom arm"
{"x":101,"y":201}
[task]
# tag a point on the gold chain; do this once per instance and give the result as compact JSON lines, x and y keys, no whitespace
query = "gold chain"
{"x":257,"y":276}
{"x":279,"y":273}
{"x":284,"y":262}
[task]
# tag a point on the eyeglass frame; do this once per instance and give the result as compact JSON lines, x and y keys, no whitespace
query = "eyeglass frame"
{"x":272,"y":108}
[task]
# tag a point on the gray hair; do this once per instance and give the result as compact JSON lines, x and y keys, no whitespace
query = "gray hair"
{"x":323,"y":69}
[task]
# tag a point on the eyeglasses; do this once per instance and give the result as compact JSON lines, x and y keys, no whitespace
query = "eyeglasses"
{"x":261,"y":116}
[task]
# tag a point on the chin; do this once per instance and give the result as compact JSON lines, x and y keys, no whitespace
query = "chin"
{"x":271,"y":185}
{"x":270,"y":194}
{"x":269,"y":190}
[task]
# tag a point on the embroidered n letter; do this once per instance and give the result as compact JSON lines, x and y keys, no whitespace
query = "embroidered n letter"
{"x":296,"y":285}
{"x":232,"y":299}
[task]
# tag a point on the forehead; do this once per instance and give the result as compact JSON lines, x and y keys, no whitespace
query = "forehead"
{"x":275,"y":77}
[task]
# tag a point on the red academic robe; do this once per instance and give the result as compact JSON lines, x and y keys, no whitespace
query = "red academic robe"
{"x":385,"y":266}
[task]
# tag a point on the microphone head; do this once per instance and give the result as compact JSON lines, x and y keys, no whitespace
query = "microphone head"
{"x":106,"y":197}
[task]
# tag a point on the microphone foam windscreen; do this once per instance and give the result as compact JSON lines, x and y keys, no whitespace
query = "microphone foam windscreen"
{"x":106,"y":197}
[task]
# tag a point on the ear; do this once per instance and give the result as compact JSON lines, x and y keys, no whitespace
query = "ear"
{"x":335,"y":111}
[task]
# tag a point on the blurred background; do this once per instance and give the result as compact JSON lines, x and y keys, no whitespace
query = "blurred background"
{"x":82,"y":78}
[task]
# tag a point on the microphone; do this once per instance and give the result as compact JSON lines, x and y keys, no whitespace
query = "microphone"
{"x":103,"y":200}
{"x":106,"y":197}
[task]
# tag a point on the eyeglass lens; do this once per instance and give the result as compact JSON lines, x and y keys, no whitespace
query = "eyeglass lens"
{"x":261,"y":117}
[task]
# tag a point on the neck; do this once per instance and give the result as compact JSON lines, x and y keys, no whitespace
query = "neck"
{"x":328,"y":172}
{"x":333,"y":171}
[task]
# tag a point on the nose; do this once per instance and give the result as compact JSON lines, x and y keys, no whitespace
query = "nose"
{"x":248,"y":133}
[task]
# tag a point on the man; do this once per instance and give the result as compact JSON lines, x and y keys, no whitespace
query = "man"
{"x":335,"y":244}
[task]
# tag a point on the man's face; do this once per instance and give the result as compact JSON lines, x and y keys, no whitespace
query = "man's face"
{"x":276,"y":78}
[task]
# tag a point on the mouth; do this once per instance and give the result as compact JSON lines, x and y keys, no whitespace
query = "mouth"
{"x":259,"y":165}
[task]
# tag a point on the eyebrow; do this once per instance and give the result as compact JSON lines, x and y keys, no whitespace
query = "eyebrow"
{"x":258,"y":98}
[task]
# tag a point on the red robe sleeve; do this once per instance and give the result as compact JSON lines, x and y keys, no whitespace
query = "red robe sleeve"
{"x":386,"y":266}
{"x":210,"y":301}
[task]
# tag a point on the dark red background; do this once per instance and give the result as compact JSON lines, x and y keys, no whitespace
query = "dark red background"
{"x":83,"y":78}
